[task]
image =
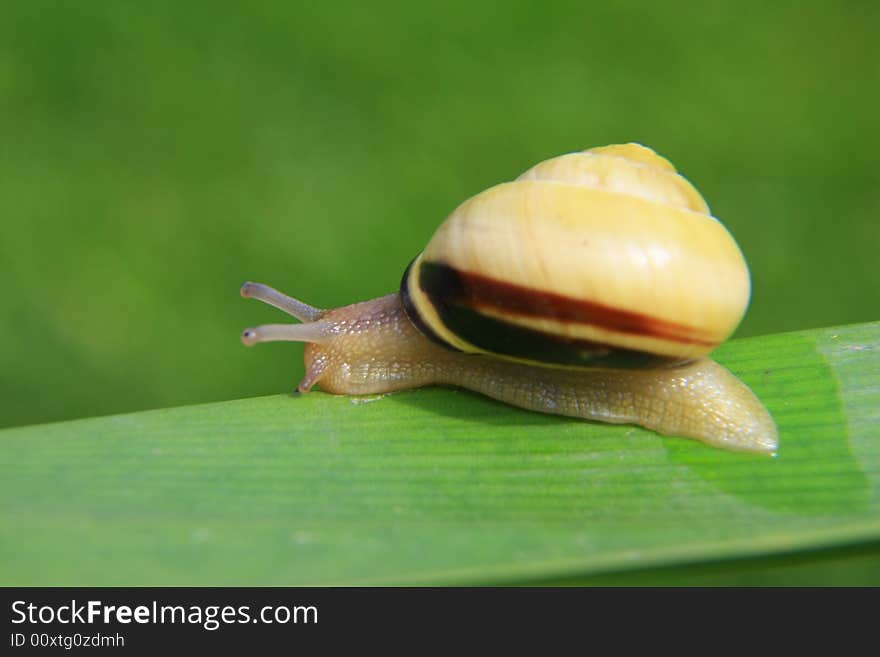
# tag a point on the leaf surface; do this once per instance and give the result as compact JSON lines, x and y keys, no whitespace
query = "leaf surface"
{"x":440,"y":486}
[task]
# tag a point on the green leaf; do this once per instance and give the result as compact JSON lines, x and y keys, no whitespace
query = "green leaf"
{"x":444,"y":486}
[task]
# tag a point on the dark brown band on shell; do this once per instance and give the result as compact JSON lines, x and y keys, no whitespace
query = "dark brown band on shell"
{"x":475,"y":291}
{"x":413,"y":314}
{"x":447,"y":290}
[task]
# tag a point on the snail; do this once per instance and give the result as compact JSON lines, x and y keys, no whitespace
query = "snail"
{"x":594,"y":285}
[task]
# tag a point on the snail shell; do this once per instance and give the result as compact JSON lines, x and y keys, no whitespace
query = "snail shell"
{"x":607,"y":257}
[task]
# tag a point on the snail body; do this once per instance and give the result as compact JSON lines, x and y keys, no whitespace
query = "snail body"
{"x":594,"y":286}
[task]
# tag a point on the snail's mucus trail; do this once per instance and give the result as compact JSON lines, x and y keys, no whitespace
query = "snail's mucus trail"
{"x":457,"y":295}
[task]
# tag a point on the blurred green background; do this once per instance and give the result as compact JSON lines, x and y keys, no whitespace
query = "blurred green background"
{"x":155,"y":155}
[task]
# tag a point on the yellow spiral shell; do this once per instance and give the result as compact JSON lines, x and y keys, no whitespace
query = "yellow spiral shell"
{"x":607,"y":257}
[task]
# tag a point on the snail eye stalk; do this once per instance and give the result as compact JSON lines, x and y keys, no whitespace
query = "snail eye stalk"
{"x":301,"y":311}
{"x":313,"y":330}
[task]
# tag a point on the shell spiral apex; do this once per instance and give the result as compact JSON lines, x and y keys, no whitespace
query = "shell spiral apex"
{"x":601,"y":258}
